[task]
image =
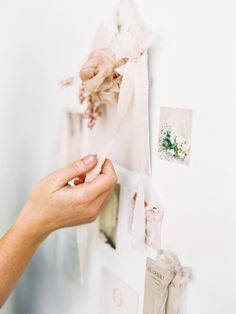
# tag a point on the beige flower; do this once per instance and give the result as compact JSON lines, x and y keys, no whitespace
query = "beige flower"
{"x":100,"y":78}
{"x":100,"y":82}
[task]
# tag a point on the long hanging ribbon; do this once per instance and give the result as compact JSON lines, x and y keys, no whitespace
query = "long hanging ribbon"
{"x":133,"y":92}
{"x":141,"y":102}
{"x":125,"y":98}
{"x":135,"y":83}
{"x":100,"y":39}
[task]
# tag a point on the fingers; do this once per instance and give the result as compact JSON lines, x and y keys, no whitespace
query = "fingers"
{"x":108,"y":168}
{"x":76,"y":169}
{"x":102,"y":183}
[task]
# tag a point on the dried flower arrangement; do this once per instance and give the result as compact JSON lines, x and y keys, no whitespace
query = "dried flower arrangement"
{"x":100,"y":83}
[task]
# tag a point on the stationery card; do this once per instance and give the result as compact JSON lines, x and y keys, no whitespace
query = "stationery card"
{"x":117,"y":296}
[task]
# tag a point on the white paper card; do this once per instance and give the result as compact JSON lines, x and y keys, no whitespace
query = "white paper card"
{"x":117,"y":296}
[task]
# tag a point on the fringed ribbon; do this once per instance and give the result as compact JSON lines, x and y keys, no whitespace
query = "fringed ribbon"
{"x":177,"y":290}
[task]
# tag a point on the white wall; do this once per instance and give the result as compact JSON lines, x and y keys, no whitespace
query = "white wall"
{"x":195,"y":68}
{"x":192,"y":65}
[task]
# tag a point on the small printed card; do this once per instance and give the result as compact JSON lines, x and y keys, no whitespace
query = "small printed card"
{"x":117,"y":296}
{"x":159,"y":274}
{"x":175,"y":134}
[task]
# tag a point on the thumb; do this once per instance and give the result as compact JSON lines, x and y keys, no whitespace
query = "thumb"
{"x":62,"y":176}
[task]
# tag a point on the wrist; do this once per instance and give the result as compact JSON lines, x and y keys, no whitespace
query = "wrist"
{"x":32,"y":232}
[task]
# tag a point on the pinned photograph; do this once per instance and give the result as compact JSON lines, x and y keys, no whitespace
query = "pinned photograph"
{"x":175,"y":134}
{"x":109,"y":216}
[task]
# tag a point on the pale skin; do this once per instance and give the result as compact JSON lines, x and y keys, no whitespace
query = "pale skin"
{"x":52,"y":204}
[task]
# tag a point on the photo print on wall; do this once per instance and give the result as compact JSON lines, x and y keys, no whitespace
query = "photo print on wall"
{"x":109,"y":216}
{"x":175,"y":134}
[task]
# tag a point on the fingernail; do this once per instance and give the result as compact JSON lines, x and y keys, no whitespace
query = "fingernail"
{"x":88,"y":159}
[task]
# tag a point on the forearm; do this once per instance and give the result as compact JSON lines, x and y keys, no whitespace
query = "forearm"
{"x":17,"y":247}
{"x":52,"y":204}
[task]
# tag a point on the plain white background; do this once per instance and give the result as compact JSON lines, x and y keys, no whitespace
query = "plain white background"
{"x":192,"y":65}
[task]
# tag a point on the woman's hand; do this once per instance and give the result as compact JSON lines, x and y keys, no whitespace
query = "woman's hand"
{"x":51,"y":205}
{"x":54,"y":204}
